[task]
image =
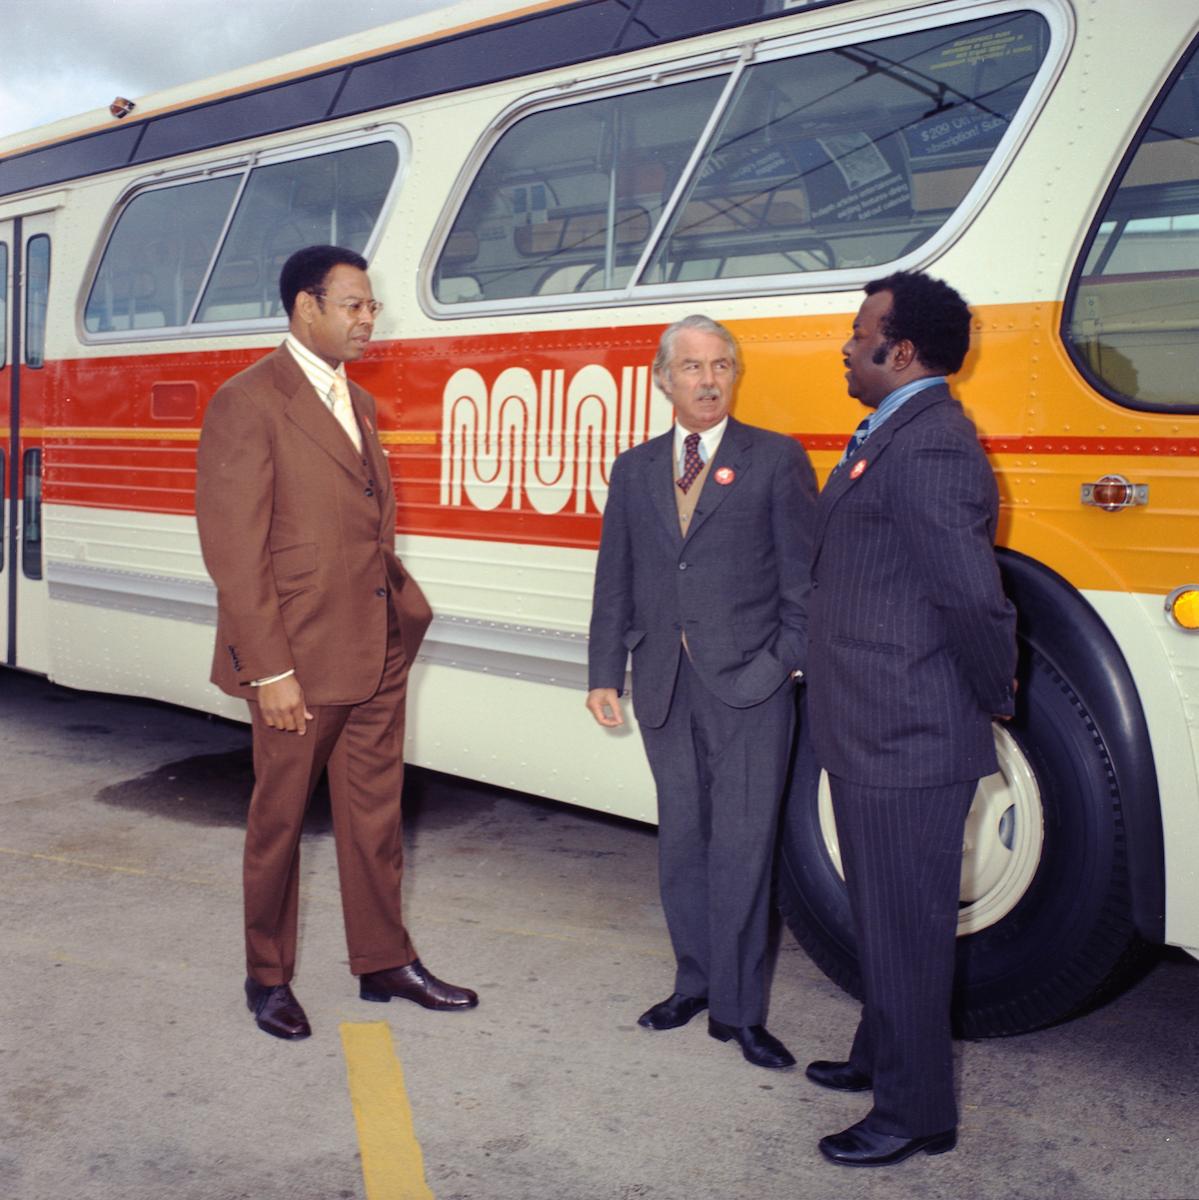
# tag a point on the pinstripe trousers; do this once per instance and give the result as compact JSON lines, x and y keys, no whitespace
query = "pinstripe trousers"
{"x":902,"y":853}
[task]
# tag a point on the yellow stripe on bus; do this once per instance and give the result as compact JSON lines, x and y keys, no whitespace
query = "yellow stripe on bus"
{"x":392,"y":1165}
{"x":109,"y":433}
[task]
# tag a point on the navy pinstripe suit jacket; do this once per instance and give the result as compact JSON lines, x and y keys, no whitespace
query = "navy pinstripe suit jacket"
{"x":737,"y":583}
{"x":912,"y":642}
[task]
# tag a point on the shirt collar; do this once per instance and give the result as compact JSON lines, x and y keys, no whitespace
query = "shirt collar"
{"x":893,"y":401}
{"x":709,"y":440}
{"x":316,"y":370}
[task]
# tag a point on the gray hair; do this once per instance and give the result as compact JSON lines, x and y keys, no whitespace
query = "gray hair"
{"x":695,"y":321}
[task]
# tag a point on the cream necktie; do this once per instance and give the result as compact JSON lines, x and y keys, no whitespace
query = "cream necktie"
{"x":343,"y":410}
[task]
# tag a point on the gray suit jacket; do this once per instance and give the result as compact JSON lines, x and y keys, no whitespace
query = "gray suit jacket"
{"x":737,"y":584}
{"x":913,"y":642}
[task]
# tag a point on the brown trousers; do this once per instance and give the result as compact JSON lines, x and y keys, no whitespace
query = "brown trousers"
{"x":363,"y":746}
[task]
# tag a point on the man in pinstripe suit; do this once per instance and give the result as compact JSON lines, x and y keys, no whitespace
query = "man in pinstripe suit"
{"x":912,"y":652}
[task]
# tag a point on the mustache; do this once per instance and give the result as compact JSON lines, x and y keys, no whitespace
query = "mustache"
{"x":708,"y":393}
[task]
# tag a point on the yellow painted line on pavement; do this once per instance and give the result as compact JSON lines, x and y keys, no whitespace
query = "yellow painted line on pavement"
{"x":392,"y":1165}
{"x":65,"y":860}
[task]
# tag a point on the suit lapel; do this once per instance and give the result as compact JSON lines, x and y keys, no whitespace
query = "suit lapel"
{"x":660,"y":465}
{"x":372,"y":448}
{"x":307,"y":410}
{"x":733,"y":454}
{"x":868,"y":454}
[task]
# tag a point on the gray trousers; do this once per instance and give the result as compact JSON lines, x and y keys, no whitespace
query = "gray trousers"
{"x":720,"y":773}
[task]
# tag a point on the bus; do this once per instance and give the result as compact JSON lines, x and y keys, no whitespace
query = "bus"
{"x":540,"y":190}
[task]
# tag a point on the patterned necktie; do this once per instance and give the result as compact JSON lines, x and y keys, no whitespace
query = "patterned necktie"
{"x":343,"y":410}
{"x":692,"y":463}
{"x":857,"y":438}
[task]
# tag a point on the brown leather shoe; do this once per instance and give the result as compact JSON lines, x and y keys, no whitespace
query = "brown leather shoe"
{"x":414,"y":982}
{"x":276,"y":1010}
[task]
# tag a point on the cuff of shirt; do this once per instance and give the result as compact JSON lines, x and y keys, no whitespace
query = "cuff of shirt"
{"x":272,"y":678}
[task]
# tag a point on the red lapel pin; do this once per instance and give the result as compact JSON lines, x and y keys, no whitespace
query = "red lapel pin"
{"x":725,"y":476}
{"x":858,"y":468}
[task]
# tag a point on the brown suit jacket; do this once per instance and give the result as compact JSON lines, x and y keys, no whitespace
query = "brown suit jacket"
{"x":298,"y":533}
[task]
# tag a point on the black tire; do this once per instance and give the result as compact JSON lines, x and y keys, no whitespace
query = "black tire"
{"x":1061,"y":938}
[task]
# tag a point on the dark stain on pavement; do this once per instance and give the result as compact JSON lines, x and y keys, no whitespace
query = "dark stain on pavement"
{"x":214,"y":789}
{"x":206,"y":789}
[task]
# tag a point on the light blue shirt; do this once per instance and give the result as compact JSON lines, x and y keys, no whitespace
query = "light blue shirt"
{"x":894,"y":400}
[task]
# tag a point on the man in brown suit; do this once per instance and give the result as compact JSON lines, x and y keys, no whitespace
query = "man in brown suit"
{"x":317,"y":624}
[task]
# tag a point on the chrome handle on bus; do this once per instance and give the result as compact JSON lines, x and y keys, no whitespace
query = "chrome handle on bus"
{"x":1113,"y":492}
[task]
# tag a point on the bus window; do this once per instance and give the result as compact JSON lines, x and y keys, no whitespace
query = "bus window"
{"x":157,"y":257}
{"x":852,"y":156}
{"x":1131,"y":319}
{"x":568,"y":197}
{"x":330,"y":199}
{"x":31,"y":516}
{"x":211,"y":250}
{"x":3,"y":305}
{"x":37,"y":297}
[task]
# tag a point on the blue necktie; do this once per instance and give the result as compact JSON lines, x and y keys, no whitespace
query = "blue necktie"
{"x":858,"y":437}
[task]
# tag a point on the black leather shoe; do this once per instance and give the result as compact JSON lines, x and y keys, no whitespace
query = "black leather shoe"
{"x":673,"y":1012}
{"x":840,"y":1076}
{"x":759,"y":1046}
{"x":413,"y":982}
{"x":858,"y":1146}
{"x":276,"y":1010}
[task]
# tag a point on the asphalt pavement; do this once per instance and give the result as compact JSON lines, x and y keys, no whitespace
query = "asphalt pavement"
{"x":130,"y":1069}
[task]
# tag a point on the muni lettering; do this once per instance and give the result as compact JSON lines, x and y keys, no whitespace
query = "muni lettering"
{"x":545,"y":441}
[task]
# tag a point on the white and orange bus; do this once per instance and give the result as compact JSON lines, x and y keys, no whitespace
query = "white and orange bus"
{"x":539,"y":191}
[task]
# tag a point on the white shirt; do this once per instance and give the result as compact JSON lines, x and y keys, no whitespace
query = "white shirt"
{"x":709,"y":442}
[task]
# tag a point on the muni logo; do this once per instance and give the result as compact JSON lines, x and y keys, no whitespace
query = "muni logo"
{"x":544,"y":442}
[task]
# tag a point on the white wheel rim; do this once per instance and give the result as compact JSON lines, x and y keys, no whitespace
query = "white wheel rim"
{"x":1005,"y":831}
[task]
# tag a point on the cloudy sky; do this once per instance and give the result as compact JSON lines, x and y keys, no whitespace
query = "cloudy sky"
{"x":63,"y":57}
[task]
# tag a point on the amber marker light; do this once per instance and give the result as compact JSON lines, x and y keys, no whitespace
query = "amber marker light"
{"x":1182,"y":607}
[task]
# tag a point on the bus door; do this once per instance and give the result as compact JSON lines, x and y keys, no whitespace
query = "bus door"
{"x":25,"y":265}
{"x":7,"y":384}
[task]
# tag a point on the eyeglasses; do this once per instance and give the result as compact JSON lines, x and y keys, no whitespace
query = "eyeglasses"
{"x":353,"y":307}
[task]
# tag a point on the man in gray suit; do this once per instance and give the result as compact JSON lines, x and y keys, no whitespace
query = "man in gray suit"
{"x":703,"y":575}
{"x":913,"y":653}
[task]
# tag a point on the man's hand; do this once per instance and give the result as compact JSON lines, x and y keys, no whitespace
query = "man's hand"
{"x":604,"y":705}
{"x":282,"y":705}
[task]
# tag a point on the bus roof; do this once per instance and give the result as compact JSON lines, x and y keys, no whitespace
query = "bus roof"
{"x":467,"y":45}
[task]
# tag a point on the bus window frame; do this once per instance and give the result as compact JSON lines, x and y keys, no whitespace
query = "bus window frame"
{"x":1062,"y":30}
{"x":727,"y":62}
{"x":30,"y":298}
{"x":4,"y":303}
{"x":227,"y":164}
{"x":1089,"y":376}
